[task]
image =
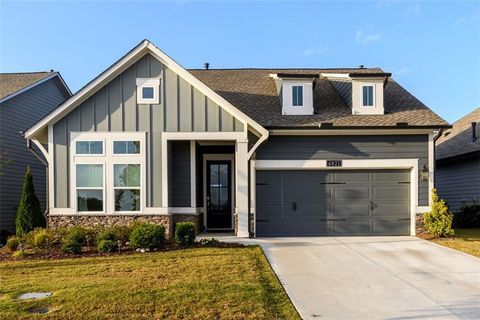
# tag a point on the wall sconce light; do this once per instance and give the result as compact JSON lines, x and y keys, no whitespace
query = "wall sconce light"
{"x":424,"y":173}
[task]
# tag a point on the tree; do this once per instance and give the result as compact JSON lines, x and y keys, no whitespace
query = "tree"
{"x":29,"y":213}
{"x":438,"y":221}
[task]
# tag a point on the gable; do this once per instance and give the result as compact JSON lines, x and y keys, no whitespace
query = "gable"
{"x":182,"y":107}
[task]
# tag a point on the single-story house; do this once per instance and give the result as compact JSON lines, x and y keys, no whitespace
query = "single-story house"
{"x":262,"y":152}
{"x":25,"y":98}
{"x":457,"y":155}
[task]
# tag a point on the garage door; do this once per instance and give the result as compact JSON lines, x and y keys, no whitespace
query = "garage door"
{"x":314,"y":203}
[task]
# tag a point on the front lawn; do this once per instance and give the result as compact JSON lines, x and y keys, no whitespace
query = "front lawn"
{"x":466,"y":240}
{"x":197,"y":283}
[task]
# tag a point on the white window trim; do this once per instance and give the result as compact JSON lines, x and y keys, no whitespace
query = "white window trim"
{"x":148,"y":82}
{"x":373,"y":94}
{"x":74,"y":149}
{"x":108,"y":160}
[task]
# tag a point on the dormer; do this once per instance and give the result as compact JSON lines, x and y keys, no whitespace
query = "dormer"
{"x":365,"y":93}
{"x":295,"y":92}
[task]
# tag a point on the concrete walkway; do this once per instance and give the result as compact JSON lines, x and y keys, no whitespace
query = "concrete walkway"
{"x":375,"y":277}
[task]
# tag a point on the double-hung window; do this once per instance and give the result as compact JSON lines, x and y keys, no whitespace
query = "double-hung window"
{"x":89,"y":187}
{"x":368,"y":96}
{"x":297,"y":96}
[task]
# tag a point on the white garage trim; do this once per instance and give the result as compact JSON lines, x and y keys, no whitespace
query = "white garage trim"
{"x":347,"y":164}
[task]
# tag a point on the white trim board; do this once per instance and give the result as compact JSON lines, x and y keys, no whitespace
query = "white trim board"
{"x":348,"y":132}
{"x":149,"y":211}
{"x":121,"y":65}
{"x":347,"y":164}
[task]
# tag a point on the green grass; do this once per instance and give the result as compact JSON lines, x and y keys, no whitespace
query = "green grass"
{"x":466,"y":240}
{"x":197,"y":283}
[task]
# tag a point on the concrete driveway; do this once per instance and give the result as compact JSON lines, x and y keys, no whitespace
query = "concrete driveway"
{"x":375,"y":278}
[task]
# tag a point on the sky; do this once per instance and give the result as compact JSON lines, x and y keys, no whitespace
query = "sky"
{"x":431,"y":48}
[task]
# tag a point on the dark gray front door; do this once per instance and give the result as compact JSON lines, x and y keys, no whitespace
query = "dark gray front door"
{"x":312,"y":203}
{"x":219,"y":195}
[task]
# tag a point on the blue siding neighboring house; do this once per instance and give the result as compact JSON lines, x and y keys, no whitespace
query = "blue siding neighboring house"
{"x":24,"y":99}
{"x":458,"y":162}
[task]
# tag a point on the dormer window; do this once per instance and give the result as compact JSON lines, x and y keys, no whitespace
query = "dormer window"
{"x":297,"y":96}
{"x":368,"y":95}
{"x":148,"y":91}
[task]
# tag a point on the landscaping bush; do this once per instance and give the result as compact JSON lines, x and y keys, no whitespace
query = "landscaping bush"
{"x":29,"y":214}
{"x":13,"y":243}
{"x":79,"y":235}
{"x":107,"y":246}
{"x":71,"y":246}
{"x":185,"y":233}
{"x":468,"y":216}
{"x":438,"y":221}
{"x":147,"y":236}
{"x":42,"y":238}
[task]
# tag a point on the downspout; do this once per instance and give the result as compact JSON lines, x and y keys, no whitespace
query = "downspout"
{"x":45,"y":163}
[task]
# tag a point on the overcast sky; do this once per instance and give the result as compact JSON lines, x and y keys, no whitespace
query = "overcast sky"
{"x":432,"y":48}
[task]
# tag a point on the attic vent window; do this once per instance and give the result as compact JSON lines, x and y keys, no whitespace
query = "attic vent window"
{"x":148,"y":91}
{"x":368,"y":95}
{"x":297,"y":96}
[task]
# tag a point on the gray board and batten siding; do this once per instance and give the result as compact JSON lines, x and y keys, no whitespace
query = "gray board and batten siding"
{"x":350,"y":147}
{"x":114,"y":108}
{"x":17,"y":114}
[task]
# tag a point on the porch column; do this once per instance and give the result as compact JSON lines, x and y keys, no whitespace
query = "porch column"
{"x":241,"y":187}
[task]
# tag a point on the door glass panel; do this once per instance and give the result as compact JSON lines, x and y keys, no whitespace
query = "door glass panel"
{"x":214,"y":199}
{"x":223,"y":199}
{"x":214,"y":175}
{"x":223,"y":174}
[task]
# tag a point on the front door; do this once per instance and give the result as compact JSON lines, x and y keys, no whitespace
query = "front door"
{"x":219,"y":194}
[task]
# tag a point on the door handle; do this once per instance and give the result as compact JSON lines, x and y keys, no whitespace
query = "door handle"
{"x":373,"y":205}
{"x":294,"y":206}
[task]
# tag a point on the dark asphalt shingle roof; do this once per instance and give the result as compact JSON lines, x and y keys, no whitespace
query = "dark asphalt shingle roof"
{"x":13,"y":82}
{"x":458,"y":140}
{"x":253,"y":91}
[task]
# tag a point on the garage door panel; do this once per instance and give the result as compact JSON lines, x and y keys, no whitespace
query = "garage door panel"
{"x":353,"y":193}
{"x":315,"y":202}
{"x":351,"y":210}
{"x":391,"y":227}
{"x":392,"y":209}
{"x":351,"y":228}
{"x":399,"y":193}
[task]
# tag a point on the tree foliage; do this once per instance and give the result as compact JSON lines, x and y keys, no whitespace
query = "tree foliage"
{"x":29,"y":212}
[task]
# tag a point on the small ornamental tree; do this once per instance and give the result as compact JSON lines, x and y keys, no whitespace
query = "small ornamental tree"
{"x":29,"y":213}
{"x":438,"y":221}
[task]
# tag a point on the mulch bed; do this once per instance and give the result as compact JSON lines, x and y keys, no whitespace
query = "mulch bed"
{"x":88,"y":252}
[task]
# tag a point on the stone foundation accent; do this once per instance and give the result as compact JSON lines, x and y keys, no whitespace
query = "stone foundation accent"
{"x":419,"y":224}
{"x":68,"y":221}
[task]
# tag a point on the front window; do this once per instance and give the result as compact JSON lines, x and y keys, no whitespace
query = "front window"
{"x":368,"y":96}
{"x":127,"y":187}
{"x":297,"y":96}
{"x":89,"y":187}
{"x":126,"y":147}
{"x":89,"y":147}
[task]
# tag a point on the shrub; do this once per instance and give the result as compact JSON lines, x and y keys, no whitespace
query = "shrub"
{"x":438,"y":221}
{"x":147,"y":236}
{"x":29,"y":213}
{"x":115,"y":233}
{"x":80,"y":234}
{"x":107,"y":246}
{"x":468,"y":216}
{"x":42,"y":238}
{"x":185,"y":233}
{"x":71,"y":246}
{"x":13,"y":243}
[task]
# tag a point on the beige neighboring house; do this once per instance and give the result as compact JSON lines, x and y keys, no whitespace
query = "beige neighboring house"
{"x":457,"y":156}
